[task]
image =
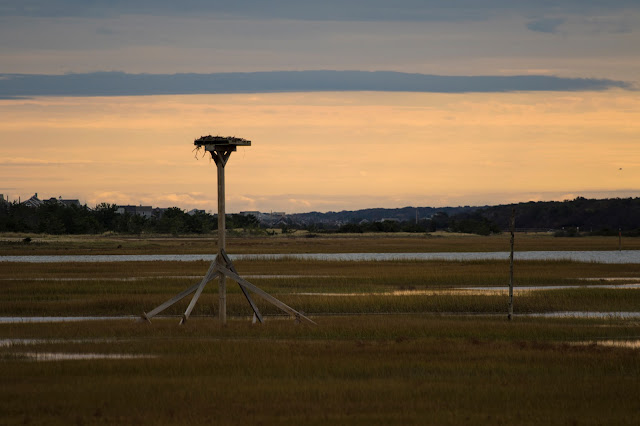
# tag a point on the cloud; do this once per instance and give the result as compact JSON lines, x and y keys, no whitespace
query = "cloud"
{"x":122,"y":84}
{"x":546,"y":25}
{"x":326,"y":10}
{"x":183,"y":200}
{"x":105,"y":31}
{"x":36,"y":162}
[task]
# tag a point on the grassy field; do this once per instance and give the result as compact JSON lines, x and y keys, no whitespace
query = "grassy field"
{"x":397,"y":342}
{"x":358,"y":370}
{"x":12,"y":244}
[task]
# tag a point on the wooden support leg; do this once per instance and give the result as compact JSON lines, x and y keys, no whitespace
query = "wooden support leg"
{"x":211,"y":274}
{"x":222,"y":299}
{"x":266,"y":296}
{"x":165,"y":305}
{"x":223,"y":267}
{"x":256,"y":311}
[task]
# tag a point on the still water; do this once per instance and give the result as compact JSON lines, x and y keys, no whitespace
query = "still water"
{"x":612,"y":257}
{"x":613,"y":315}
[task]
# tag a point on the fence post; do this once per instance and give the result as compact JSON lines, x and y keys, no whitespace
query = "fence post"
{"x":512,"y":227}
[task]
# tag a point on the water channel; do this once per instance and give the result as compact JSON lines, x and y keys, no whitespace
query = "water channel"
{"x":614,"y":315}
{"x":610,"y":257}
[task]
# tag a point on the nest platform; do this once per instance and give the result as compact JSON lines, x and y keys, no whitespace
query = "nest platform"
{"x":220,"y":143}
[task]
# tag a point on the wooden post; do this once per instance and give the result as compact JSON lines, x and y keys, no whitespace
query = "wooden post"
{"x":512,"y":227}
{"x":222,"y":283}
{"x":619,"y":239}
{"x":222,"y":266}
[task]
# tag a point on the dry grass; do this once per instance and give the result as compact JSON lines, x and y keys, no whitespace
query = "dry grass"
{"x":129,"y":288}
{"x":391,"y":370}
{"x":412,"y":365}
{"x":375,"y":243}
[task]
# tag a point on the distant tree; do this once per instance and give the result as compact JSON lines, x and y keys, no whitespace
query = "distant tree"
{"x":235,"y":221}
{"x":351,"y":228}
{"x":106,"y":215}
{"x":173,"y":221}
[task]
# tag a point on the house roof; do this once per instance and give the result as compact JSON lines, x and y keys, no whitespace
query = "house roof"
{"x":34,"y":201}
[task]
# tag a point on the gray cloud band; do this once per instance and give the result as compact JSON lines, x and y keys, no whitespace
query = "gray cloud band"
{"x":123,"y":84}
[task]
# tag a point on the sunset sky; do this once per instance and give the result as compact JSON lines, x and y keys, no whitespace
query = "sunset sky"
{"x":491,"y":101}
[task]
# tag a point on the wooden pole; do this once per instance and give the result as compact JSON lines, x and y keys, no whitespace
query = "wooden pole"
{"x":222,"y":267}
{"x":619,"y":239}
{"x":222,"y":286}
{"x":512,"y":227}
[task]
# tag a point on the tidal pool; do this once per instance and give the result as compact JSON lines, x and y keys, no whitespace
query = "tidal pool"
{"x":583,"y":314}
{"x":631,"y":344}
{"x":56,"y":356}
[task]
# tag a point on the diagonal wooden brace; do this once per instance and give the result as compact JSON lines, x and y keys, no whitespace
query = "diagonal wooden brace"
{"x":229,"y":264}
{"x":165,"y":305}
{"x":211,"y":274}
{"x":266,"y":296}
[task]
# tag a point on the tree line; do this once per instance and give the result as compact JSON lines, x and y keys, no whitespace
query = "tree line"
{"x":575,"y":217}
{"x":441,"y":221}
{"x":570,"y":218}
{"x":56,"y":218}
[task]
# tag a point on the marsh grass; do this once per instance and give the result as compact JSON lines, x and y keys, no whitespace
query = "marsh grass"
{"x":393,"y":360}
{"x":105,"y":289}
{"x":117,"y":304}
{"x":350,"y":370}
{"x":440,"y":272}
{"x":374,"y":243}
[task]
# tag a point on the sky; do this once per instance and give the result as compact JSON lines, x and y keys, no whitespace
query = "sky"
{"x":348,"y":104}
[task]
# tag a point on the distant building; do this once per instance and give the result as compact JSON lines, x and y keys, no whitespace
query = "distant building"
{"x":2,"y":200}
{"x":67,"y":203}
{"x":251,"y":213}
{"x":193,"y":212}
{"x":70,"y":203}
{"x":158,"y":211}
{"x":34,"y":201}
{"x":126,"y":209}
{"x":144,"y":211}
{"x":281,"y":222}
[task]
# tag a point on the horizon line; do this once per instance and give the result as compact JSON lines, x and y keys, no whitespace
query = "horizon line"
{"x":577,"y":197}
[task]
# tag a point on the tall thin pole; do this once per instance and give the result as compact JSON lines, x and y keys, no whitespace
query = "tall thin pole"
{"x":619,"y":239}
{"x":222,"y":266}
{"x":222,"y":286}
{"x":512,"y":226}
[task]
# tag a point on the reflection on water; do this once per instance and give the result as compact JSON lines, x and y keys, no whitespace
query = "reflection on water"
{"x":181,"y":277}
{"x":57,"y":356}
{"x":568,"y":314}
{"x":13,"y":320}
{"x":7,"y":343}
{"x":582,"y":314}
{"x":470,"y":290}
{"x":616,"y":257}
{"x":53,"y":356}
{"x":553,"y":287}
{"x":632,"y":344}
